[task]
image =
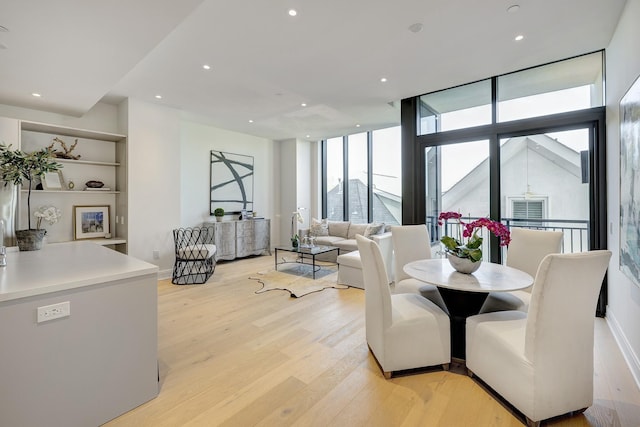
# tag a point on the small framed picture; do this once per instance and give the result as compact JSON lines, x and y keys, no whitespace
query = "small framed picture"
{"x":91,"y":222}
{"x":53,"y":181}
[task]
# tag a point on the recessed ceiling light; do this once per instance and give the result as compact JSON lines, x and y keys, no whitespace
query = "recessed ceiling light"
{"x":37,"y":95}
{"x":519,"y":37}
{"x":383,"y":80}
{"x":293,"y":12}
{"x":250,"y":121}
{"x":303,"y":105}
{"x":358,"y":125}
{"x":158,"y":96}
{"x":416,"y":28}
{"x":308,"y":136}
{"x":206,"y":67}
{"x":513,"y":8}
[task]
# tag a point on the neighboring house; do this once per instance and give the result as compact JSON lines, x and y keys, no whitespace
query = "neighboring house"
{"x":538,"y":171}
{"x":384,"y":204}
{"x":542,"y":179}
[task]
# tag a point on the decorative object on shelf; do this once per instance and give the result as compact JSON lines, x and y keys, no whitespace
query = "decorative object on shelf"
{"x":94,"y":184}
{"x":231,"y":181}
{"x":17,"y":166}
{"x":53,"y":181}
{"x":467,"y":246}
{"x":90,"y":222}
{"x":71,"y":185}
{"x":66,"y":154}
{"x":219,"y":214}
{"x":294,"y":241}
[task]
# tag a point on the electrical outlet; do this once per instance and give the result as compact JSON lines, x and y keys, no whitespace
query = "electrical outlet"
{"x":156,"y":254}
{"x":54,"y":311}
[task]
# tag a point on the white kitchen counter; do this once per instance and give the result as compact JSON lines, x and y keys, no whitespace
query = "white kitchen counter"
{"x":91,"y":365}
{"x":63,"y":266}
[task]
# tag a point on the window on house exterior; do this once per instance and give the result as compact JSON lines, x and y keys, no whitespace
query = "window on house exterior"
{"x":528,"y":209}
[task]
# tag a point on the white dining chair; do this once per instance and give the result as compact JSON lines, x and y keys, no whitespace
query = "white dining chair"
{"x":412,"y":243}
{"x":541,"y":362}
{"x":525,"y":252}
{"x":404,"y":331}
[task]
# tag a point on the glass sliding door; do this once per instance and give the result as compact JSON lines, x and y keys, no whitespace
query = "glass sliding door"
{"x":457,"y":179}
{"x":545,"y":184}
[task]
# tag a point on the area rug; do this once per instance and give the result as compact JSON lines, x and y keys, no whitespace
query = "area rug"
{"x":297,"y":279}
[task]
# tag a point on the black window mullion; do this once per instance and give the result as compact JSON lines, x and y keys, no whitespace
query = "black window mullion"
{"x":369,"y":177}
{"x":345,"y":180}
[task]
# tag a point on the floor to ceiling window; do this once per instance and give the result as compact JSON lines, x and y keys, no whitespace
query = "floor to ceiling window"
{"x":372,"y":164}
{"x":525,"y":148}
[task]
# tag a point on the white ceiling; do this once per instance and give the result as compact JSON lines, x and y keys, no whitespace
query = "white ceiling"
{"x":265,"y":63}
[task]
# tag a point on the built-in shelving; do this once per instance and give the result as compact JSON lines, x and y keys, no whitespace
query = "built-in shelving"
{"x":102,"y":158}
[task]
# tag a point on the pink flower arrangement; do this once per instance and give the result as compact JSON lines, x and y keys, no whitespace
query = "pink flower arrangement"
{"x":469,"y":244}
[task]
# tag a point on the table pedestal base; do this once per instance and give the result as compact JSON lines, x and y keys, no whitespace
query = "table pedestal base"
{"x":461,"y":305}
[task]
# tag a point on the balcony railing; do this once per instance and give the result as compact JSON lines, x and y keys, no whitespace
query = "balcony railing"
{"x":575,"y":232}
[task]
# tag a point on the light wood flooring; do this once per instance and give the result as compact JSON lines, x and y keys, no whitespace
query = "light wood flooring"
{"x":230,"y":357}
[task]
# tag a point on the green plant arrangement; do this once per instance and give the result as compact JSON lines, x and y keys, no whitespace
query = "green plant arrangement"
{"x":17,"y":166}
{"x":468,"y":243}
{"x":218,"y":213}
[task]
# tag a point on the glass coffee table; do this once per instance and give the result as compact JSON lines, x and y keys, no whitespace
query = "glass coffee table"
{"x":306,"y":253}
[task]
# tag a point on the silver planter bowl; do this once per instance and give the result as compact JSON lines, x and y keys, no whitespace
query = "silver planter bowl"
{"x":463,"y":265}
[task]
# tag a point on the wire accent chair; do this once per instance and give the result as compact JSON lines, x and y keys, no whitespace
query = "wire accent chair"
{"x":195,"y":255}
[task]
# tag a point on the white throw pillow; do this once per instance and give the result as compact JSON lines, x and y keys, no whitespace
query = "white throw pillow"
{"x":373,"y":229}
{"x":319,"y":227}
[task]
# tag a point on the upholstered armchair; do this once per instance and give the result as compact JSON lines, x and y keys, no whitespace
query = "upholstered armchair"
{"x":194,"y":252}
{"x":525,"y":252}
{"x":404,"y":331}
{"x":542,"y":361}
{"x":412,"y":243}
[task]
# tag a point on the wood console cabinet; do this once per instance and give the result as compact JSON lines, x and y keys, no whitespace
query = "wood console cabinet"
{"x":237,"y":239}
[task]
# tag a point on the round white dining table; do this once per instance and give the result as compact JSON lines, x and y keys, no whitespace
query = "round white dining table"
{"x":464,"y":294}
{"x":489,"y":277}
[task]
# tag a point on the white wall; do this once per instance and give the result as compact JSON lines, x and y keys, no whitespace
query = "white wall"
{"x":153,"y":168}
{"x":623,"y":66}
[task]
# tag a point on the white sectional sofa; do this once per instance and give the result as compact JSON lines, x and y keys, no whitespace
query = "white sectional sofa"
{"x":342,"y":234}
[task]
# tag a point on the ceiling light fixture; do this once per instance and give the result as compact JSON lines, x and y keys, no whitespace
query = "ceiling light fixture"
{"x":37,"y":95}
{"x":416,"y":28}
{"x":158,"y":96}
{"x":303,"y":105}
{"x":206,"y":67}
{"x":519,"y":37}
{"x":358,"y":125}
{"x":250,"y":121}
{"x":293,"y":12}
{"x":383,"y":80}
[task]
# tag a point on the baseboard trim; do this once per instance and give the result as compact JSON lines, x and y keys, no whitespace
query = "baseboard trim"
{"x":623,"y":344}
{"x":165,"y":274}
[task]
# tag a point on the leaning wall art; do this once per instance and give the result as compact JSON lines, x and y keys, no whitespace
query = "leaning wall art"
{"x":231,"y":182}
{"x":630,"y":183}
